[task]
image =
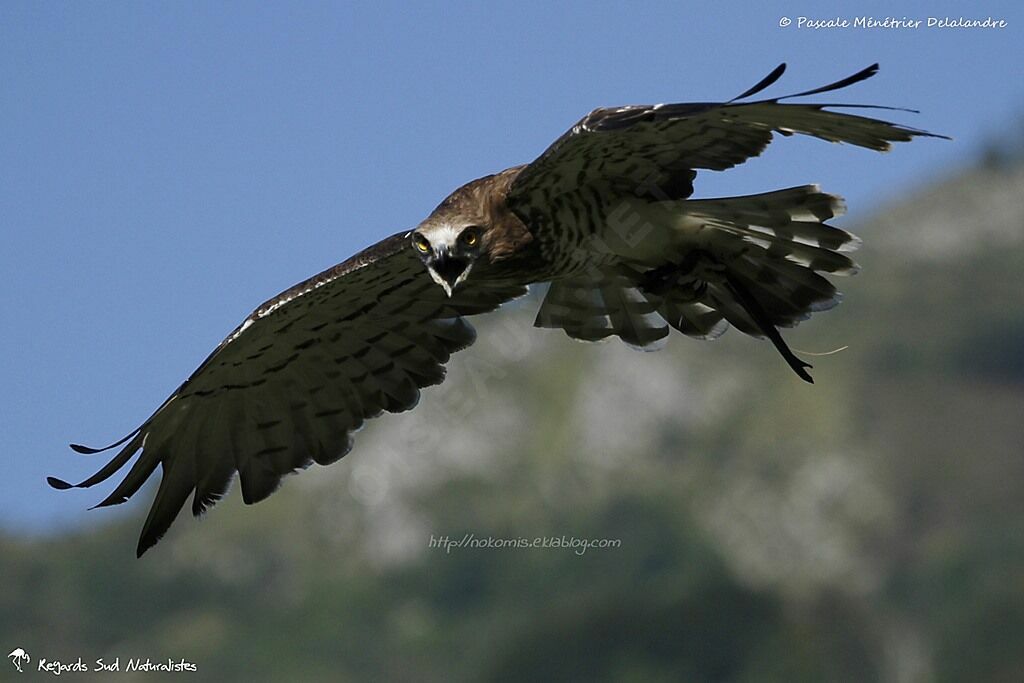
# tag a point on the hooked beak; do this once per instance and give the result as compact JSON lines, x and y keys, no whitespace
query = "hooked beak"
{"x":449,"y":272}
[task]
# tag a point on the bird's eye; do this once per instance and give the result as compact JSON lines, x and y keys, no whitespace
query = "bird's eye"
{"x":470,"y":236}
{"x":421,"y":243}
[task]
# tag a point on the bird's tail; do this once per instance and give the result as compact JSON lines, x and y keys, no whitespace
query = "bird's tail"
{"x":603,"y":303}
{"x":757,"y":263}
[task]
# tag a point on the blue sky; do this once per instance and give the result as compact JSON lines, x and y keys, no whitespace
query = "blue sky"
{"x":165,"y":167}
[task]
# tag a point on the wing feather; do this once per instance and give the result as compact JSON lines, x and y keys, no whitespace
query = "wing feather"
{"x":617,"y":163}
{"x":646,"y":147}
{"x":291,"y":384}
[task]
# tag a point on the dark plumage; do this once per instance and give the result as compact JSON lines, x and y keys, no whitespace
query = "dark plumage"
{"x":603,"y":214}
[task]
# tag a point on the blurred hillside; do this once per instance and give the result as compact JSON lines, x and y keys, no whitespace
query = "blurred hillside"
{"x":869,"y":527}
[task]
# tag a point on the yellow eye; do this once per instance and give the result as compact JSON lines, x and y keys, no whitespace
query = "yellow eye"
{"x":421,"y":243}
{"x":470,"y":236}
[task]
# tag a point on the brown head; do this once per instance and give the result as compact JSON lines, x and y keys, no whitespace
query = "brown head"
{"x":469,"y":230}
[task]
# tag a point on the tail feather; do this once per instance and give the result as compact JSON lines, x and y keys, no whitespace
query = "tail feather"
{"x":773,"y":209}
{"x":801,"y":287}
{"x":631,"y":314}
{"x":603,"y":304}
{"x":723,"y":301}
{"x":577,"y":307}
{"x":693,"y":318}
{"x":757,"y":264}
{"x":790,"y":220}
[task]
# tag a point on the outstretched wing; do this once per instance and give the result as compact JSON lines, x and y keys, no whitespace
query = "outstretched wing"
{"x":653,"y":151}
{"x":295,"y":380}
{"x":621,"y":171}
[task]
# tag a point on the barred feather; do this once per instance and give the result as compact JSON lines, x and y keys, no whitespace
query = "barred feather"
{"x":775,"y":244}
{"x":601,"y":305}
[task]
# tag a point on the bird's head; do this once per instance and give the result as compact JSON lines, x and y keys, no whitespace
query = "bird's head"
{"x":448,"y":251}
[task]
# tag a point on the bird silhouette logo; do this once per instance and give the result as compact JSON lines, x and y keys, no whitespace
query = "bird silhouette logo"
{"x":18,"y":657}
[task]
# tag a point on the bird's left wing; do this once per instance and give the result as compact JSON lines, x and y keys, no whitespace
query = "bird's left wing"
{"x":295,"y":380}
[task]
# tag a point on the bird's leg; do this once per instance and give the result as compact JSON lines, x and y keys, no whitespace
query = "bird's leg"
{"x":760,"y":317}
{"x":660,"y":280}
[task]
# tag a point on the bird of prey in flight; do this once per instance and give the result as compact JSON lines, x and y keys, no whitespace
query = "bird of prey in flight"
{"x":604,"y":215}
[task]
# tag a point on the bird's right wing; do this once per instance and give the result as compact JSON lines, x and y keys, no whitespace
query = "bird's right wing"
{"x":621,"y":171}
{"x":654,"y":150}
{"x":295,"y":380}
